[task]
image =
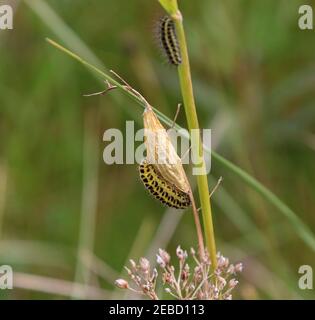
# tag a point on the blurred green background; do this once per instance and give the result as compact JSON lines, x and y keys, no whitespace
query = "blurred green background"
{"x":69,"y":222}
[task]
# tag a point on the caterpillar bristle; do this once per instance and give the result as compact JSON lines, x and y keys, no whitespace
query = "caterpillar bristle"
{"x":168,"y":40}
{"x":162,"y":190}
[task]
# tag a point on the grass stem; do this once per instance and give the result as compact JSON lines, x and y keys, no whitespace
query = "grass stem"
{"x":184,"y":75}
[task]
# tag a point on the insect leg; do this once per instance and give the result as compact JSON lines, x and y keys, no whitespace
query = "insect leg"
{"x":128,"y":87}
{"x":176,"y":115}
{"x":109,"y":87}
{"x":214,"y":189}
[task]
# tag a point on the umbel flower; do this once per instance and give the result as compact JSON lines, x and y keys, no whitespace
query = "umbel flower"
{"x":191,"y":279}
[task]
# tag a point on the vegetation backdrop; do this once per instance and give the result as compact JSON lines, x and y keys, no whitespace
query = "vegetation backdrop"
{"x":69,"y":222}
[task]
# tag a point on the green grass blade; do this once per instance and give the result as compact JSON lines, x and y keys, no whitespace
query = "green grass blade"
{"x":299,"y":226}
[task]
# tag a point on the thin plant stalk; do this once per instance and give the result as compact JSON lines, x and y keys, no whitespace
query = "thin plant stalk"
{"x":198,"y":227}
{"x":192,"y":120}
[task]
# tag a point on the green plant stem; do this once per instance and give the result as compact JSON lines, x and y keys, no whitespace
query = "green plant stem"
{"x":192,"y":120}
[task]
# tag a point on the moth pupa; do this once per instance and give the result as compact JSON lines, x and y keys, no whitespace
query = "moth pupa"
{"x":162,"y":162}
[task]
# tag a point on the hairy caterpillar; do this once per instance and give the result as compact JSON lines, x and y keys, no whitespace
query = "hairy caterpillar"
{"x":161,"y":189}
{"x":168,"y":41}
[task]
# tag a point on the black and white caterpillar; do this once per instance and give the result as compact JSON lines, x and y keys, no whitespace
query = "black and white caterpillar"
{"x":168,"y":40}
